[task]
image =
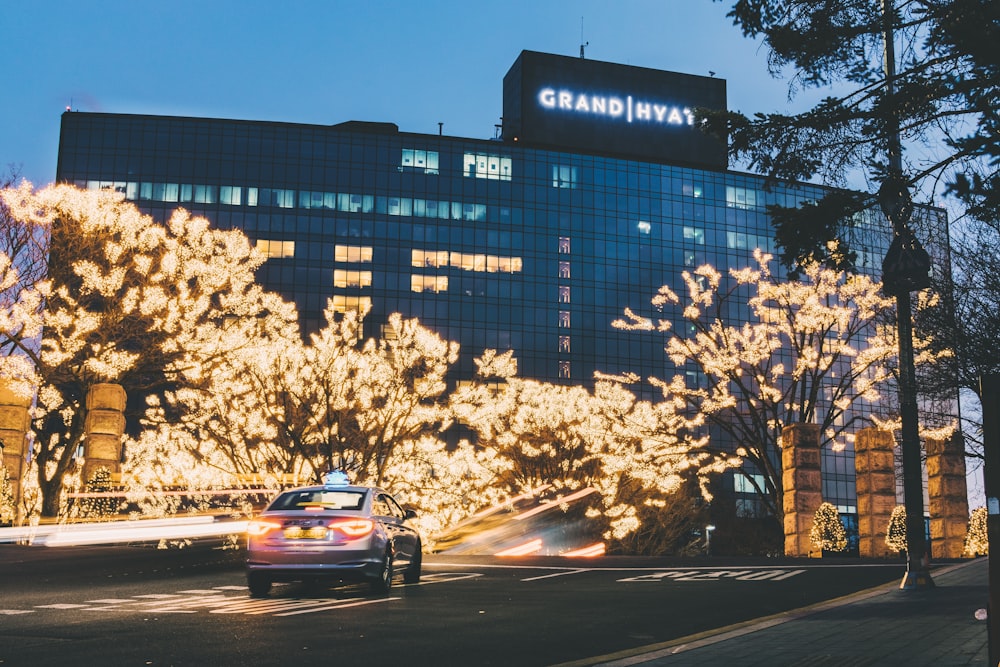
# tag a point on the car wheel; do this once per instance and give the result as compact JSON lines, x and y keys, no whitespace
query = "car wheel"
{"x":383,"y":582}
{"x":412,"y":574}
{"x":259,"y":584}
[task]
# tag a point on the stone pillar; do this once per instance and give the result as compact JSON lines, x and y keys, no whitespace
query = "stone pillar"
{"x":876,"y":486}
{"x":105,"y":426}
{"x":14,"y":423}
{"x":948,"y":496}
{"x":802,"y":487}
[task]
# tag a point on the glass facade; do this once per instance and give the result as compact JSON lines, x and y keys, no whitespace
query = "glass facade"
{"x":491,"y":244}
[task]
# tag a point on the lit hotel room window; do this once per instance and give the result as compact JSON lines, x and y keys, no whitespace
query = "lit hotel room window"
{"x":419,"y":160}
{"x":563,"y":176}
{"x":352,"y":253}
{"x":347,"y":304}
{"x":492,"y":167}
{"x":276,"y":249}
{"x":343,"y":278}
{"x":429,"y":283}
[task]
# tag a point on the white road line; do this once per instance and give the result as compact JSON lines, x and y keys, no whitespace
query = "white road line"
{"x":15,"y":612}
{"x":60,"y":606}
{"x":555,"y":574}
{"x":599,"y":568}
{"x":110,"y":601}
{"x":266,"y":606}
{"x":172,"y":606}
{"x":156,"y":596}
{"x":338,"y":606}
{"x":229,"y":588}
{"x":200,"y":591}
{"x":301,"y":605}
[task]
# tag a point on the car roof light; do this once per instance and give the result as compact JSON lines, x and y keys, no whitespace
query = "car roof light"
{"x":335,"y":478}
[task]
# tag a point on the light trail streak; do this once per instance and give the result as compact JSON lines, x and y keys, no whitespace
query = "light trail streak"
{"x":593,"y":551}
{"x":555,"y":503}
{"x":525,"y":549}
{"x":142,"y":530}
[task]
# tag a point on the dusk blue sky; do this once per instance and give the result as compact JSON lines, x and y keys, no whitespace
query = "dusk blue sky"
{"x":413,"y":63}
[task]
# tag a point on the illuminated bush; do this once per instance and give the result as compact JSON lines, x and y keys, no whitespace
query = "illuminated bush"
{"x":977,"y":541}
{"x":828,"y":531}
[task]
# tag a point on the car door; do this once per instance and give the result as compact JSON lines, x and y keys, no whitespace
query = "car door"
{"x":404,"y":537}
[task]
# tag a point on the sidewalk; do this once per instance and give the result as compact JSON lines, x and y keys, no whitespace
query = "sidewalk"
{"x":881,"y":626}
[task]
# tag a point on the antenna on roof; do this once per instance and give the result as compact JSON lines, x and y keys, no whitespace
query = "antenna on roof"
{"x":583,"y":44}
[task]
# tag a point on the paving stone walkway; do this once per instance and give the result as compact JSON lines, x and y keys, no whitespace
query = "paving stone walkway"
{"x":884,"y":626}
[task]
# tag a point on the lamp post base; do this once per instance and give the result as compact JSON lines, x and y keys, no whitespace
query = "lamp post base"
{"x":916,"y":580}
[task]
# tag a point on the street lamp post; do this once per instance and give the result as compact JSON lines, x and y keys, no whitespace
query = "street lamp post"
{"x":708,"y":539}
{"x":906,"y":268}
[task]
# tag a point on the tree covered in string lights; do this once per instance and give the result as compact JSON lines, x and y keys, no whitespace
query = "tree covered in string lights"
{"x":807,"y":351}
{"x":635,"y":456}
{"x":126,"y":300}
{"x":283,"y":407}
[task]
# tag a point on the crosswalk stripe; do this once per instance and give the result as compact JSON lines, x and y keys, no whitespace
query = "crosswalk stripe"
{"x":200,"y":591}
{"x":336,"y":606}
{"x":269,"y":606}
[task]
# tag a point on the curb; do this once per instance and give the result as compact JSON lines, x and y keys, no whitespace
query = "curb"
{"x":643,"y":654}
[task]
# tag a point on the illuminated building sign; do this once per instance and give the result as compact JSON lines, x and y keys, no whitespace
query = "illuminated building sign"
{"x":590,"y":106}
{"x":626,"y":108}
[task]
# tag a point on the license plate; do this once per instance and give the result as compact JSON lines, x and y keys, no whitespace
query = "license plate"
{"x":299,"y":533}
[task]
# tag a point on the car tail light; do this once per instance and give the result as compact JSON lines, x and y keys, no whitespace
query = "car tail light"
{"x":261,"y":527}
{"x":353,"y":527}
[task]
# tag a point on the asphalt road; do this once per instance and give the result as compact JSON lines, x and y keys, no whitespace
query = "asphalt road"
{"x":141,"y":606}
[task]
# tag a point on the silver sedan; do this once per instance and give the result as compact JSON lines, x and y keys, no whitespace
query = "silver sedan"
{"x":336,"y":531}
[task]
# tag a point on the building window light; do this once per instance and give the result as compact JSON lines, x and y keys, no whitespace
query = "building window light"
{"x":564,"y":318}
{"x":564,"y":344}
{"x":420,"y":161}
{"x":348,"y":304}
{"x":276,"y":249}
{"x":492,"y":167}
{"x":352,"y":254}
{"x":434,"y":284}
{"x":564,"y":176}
{"x":694,"y":235}
{"x":564,"y":293}
{"x":564,"y":245}
{"x":564,"y":270}
{"x":345,"y":278}
{"x":744,"y":198}
{"x":564,"y":370}
{"x":644,"y":227}
{"x":692,"y":190}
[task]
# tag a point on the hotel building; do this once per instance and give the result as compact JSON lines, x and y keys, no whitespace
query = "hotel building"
{"x":597,"y":190}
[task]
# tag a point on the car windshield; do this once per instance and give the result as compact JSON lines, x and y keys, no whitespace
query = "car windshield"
{"x":319,"y":499}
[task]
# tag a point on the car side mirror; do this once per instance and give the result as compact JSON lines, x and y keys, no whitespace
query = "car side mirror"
{"x":410,"y":514}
